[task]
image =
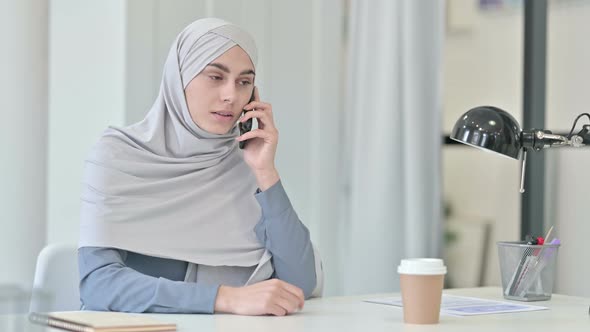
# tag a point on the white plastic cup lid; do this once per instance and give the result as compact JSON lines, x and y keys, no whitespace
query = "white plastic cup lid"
{"x":422,"y":266}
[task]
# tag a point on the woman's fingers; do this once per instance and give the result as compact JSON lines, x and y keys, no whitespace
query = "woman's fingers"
{"x":288,"y":305}
{"x":295,"y":291}
{"x":264,"y":118}
{"x":277,"y":310}
{"x":258,"y":105}
{"x":289,"y":292}
{"x":255,"y":114}
{"x":257,"y":133}
{"x":288,"y":297}
{"x":292,"y":298}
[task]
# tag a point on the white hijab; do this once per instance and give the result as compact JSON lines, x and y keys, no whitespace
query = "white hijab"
{"x":165,"y":187}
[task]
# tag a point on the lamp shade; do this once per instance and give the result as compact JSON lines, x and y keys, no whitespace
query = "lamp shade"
{"x":489,"y":128}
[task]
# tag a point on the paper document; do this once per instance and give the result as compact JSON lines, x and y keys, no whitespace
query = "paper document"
{"x":467,"y":306}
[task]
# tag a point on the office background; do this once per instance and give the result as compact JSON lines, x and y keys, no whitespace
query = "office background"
{"x":369,"y":191}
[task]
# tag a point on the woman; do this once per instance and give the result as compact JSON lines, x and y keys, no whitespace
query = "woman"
{"x":176,"y":218}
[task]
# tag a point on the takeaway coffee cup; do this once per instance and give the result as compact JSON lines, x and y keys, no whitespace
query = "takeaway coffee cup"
{"x":421,"y":281}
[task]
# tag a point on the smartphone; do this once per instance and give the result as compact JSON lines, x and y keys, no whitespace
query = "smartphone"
{"x":247,"y":125}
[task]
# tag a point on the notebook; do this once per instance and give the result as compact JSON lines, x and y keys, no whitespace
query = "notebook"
{"x":100,"y":321}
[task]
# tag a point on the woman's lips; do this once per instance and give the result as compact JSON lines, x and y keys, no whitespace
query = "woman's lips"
{"x":223,"y":116}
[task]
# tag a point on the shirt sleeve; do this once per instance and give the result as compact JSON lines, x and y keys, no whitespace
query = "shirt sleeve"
{"x":287,"y":238}
{"x":107,"y":284}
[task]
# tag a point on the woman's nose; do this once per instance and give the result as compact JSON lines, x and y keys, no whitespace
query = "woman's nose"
{"x":228,"y":93}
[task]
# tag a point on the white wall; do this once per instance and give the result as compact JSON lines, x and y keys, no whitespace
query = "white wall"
{"x":483,"y":66}
{"x":326,"y":136}
{"x":87,"y":93}
{"x":23,"y":107}
{"x":568,"y":82}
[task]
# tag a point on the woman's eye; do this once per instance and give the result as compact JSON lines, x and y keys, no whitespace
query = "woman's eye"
{"x":245,"y":82}
{"x":215,"y":78}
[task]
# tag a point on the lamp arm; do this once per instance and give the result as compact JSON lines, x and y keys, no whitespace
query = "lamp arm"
{"x":540,"y":139}
{"x":537,"y":140}
{"x":551,"y":140}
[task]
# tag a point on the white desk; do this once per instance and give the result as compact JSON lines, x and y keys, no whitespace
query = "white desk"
{"x":566,"y":314}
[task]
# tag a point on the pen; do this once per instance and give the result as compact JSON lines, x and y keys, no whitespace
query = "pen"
{"x":533,"y":270}
{"x":511,"y":290}
{"x":528,"y":260}
{"x":548,"y":233}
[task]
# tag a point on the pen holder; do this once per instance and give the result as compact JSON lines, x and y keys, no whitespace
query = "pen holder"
{"x":527,"y":270}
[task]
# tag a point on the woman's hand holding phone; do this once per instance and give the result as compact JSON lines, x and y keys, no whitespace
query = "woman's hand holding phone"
{"x":261,"y":146}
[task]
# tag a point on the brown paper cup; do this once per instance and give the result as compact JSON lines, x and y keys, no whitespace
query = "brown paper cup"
{"x":421,"y":296}
{"x":421,"y":293}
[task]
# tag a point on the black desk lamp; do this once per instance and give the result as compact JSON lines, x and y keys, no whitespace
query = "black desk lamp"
{"x":492,"y":129}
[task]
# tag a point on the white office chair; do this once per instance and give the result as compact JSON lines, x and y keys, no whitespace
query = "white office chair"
{"x":56,"y":275}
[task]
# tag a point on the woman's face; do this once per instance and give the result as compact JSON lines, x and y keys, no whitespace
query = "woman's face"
{"x":216,"y":96}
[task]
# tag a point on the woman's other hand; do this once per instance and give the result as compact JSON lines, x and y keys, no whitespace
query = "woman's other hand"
{"x":261,"y":145}
{"x":269,"y":297}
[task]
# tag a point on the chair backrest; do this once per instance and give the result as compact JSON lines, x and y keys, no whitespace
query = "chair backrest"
{"x":56,"y":274}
